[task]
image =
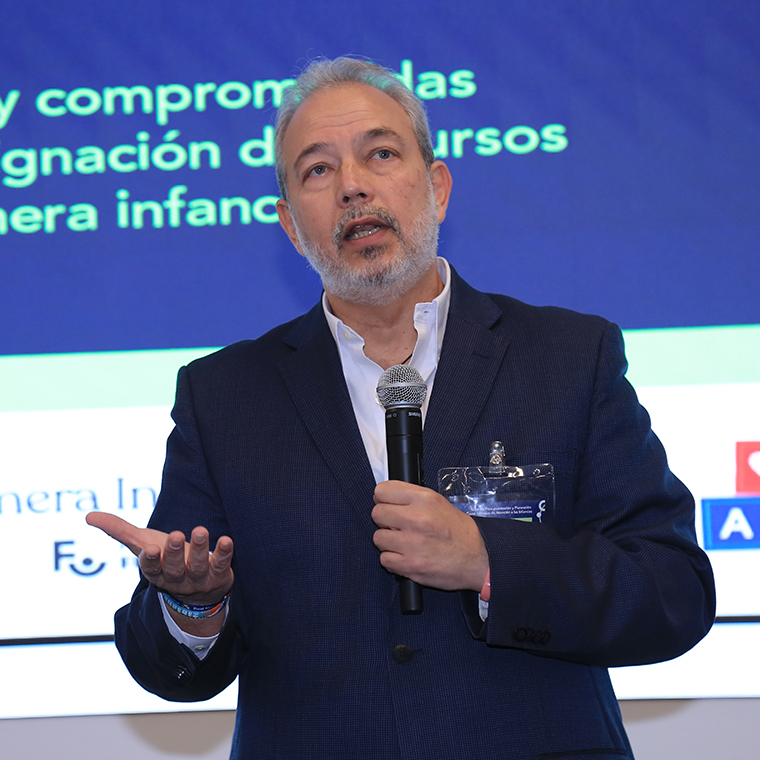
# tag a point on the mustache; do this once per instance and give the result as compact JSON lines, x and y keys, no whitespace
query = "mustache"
{"x":355,"y":212}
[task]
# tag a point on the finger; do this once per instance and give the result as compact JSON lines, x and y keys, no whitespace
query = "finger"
{"x":197,"y":556}
{"x":396,"y":492}
{"x":124,"y":532}
{"x":392,"y":516}
{"x":396,"y":558}
{"x":221,"y":559}
{"x":149,"y":560}
{"x":380,"y":539}
{"x":381,"y":516}
{"x":395,"y":541}
{"x":394,"y":563}
{"x":173,"y":559}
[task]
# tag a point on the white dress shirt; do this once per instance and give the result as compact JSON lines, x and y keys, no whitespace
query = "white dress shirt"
{"x":362,"y":373}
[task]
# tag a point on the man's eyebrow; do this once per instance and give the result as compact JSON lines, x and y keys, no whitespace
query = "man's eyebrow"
{"x":308,"y":151}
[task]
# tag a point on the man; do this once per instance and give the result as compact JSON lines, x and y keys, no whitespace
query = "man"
{"x":279,"y":446}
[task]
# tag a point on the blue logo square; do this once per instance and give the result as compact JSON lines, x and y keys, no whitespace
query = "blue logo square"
{"x":731,"y":523}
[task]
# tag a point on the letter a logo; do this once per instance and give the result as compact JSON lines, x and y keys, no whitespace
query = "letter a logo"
{"x":736,"y":522}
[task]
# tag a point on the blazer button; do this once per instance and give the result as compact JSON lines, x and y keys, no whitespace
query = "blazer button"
{"x":519,"y":635}
{"x":546,"y":637}
{"x":182,"y":674}
{"x":403,"y":653}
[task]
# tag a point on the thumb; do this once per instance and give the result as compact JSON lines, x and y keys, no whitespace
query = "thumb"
{"x":124,"y":532}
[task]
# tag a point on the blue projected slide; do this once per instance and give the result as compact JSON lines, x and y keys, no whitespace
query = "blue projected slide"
{"x":604,"y":158}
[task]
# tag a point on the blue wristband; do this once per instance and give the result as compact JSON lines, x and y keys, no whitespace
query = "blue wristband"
{"x":196,"y":611}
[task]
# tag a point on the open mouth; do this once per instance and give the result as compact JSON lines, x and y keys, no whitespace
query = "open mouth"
{"x":365,"y":223}
{"x":363,"y":230}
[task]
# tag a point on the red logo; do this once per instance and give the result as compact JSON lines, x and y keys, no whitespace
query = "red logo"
{"x":748,"y":467}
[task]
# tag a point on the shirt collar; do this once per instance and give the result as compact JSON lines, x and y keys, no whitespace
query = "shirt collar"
{"x":440,"y":306}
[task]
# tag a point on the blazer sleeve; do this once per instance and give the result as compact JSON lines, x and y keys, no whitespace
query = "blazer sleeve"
{"x":188,"y":498}
{"x":629,"y":584}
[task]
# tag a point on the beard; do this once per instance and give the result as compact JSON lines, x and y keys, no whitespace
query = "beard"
{"x":379,"y":280}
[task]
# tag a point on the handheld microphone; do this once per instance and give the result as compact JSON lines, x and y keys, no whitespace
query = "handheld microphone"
{"x":402,"y":392}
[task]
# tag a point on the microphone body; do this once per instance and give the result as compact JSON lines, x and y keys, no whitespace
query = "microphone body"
{"x":402,"y":391}
{"x":403,"y":432}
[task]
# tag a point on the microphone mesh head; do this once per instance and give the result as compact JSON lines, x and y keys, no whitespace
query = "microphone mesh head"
{"x":401,"y":385}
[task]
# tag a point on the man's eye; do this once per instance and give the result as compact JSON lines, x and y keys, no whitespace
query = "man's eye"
{"x":318,"y":171}
{"x":384,"y":154}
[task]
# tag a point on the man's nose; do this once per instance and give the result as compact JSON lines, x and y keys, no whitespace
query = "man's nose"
{"x":355,"y":185}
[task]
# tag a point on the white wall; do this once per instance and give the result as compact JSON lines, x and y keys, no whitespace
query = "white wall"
{"x":697,"y":729}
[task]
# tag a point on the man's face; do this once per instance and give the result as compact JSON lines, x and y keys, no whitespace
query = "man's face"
{"x":363,"y":207}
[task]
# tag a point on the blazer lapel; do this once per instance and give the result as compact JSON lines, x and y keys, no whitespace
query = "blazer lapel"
{"x":314,"y":377}
{"x":473,"y":350}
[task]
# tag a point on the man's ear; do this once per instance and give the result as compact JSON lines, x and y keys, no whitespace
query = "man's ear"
{"x":440,"y":178}
{"x":286,"y":222}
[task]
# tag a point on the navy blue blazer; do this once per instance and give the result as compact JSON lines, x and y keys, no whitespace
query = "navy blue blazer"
{"x":266,"y":450}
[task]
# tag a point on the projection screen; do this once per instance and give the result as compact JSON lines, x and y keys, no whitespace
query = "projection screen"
{"x":605,"y":158}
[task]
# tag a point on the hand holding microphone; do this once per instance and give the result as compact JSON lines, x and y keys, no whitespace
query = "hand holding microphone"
{"x":421,"y":535}
{"x":402,"y":392}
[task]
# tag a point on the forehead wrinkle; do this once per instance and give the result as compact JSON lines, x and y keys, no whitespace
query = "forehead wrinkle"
{"x":380,"y":133}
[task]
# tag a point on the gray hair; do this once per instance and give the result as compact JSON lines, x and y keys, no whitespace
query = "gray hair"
{"x":323,"y":73}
